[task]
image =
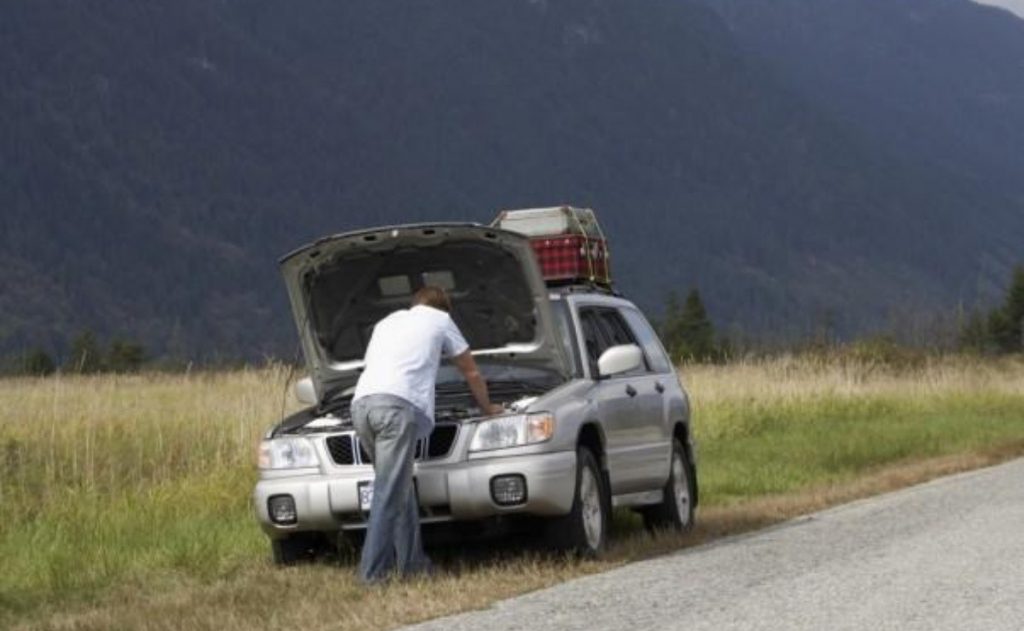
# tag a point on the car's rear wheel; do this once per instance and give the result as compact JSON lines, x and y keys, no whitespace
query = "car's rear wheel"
{"x":585,"y":529}
{"x":302,"y":547}
{"x":676,"y":508}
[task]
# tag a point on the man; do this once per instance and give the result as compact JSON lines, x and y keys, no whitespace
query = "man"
{"x":393,"y":407}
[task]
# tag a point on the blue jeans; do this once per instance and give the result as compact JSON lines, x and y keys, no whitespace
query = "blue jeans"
{"x":387,"y":428}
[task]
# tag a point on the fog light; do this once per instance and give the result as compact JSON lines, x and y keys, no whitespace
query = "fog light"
{"x":508,"y":490}
{"x":282,"y":509}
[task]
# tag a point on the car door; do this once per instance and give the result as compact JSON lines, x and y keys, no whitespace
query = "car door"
{"x":626,"y":403}
{"x":648,"y":444}
{"x":661,"y":377}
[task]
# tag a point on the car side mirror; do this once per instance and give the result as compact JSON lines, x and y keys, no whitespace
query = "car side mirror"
{"x":619,"y":359}
{"x":305,"y":392}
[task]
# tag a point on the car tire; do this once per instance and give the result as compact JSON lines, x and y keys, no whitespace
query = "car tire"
{"x":584,"y":530}
{"x":303,"y":547}
{"x":676,"y":508}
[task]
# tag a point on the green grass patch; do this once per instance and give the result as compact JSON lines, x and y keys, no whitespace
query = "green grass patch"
{"x":83,"y":543}
{"x":765,"y":449}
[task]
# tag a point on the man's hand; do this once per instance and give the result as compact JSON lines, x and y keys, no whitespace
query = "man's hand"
{"x":494,"y":410}
{"x":467,"y":366}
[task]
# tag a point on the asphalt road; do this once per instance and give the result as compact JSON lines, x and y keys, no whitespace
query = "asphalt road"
{"x":944,"y":555}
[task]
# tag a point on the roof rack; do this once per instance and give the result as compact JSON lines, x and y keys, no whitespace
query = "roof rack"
{"x":579,"y":288}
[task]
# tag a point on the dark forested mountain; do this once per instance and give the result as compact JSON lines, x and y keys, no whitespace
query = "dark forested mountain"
{"x":156,"y":158}
{"x":939,"y":85}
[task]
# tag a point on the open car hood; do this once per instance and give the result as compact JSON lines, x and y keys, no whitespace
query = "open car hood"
{"x":341,"y":286}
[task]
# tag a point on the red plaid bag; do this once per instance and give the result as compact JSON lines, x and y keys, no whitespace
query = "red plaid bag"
{"x":568,"y":242}
{"x":572,"y":258}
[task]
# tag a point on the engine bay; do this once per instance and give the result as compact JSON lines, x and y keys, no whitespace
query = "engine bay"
{"x":453,"y":403}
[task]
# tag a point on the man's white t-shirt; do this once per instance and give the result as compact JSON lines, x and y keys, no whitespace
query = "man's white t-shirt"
{"x":404,"y":354}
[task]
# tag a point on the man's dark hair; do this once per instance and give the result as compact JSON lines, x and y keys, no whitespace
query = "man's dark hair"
{"x":432,"y":296}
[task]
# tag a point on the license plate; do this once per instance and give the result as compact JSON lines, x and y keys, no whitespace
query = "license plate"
{"x":365,"y":496}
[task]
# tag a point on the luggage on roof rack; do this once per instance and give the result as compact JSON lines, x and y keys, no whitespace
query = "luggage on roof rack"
{"x":568,"y":242}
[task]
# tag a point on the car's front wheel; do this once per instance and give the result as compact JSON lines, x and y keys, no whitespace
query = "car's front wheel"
{"x":585,"y":529}
{"x":302,"y":547}
{"x":676,"y":508}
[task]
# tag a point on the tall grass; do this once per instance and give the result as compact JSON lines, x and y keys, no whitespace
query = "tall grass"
{"x":112,"y":478}
{"x":109,"y":483}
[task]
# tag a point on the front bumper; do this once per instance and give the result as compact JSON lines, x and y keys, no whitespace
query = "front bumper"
{"x":451,"y":491}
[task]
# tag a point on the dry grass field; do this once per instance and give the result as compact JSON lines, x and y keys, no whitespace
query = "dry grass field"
{"x":124,"y":500}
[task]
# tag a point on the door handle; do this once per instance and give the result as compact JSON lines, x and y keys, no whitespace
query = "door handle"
{"x":631,"y":391}
{"x":660,"y":387}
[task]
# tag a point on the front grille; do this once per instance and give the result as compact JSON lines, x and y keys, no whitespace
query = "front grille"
{"x":342,"y":447}
{"x":441,"y":441}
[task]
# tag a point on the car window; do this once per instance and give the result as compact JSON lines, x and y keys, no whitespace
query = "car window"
{"x":594,"y":338}
{"x":603,"y":327}
{"x":615,"y":328}
{"x":567,"y":334}
{"x":618,"y":332}
{"x":657,"y":360}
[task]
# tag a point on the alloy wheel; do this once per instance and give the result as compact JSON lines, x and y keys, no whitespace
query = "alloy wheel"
{"x":681,"y":489}
{"x":592,"y":511}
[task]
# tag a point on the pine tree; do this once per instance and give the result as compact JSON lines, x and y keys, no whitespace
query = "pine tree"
{"x":125,"y":356}
{"x":1006,"y":324}
{"x":85,"y":354}
{"x":671,"y":333}
{"x":672,"y":313}
{"x":688,"y":331}
{"x":974,"y":333}
{"x":37,"y":363}
{"x":1015,"y":310}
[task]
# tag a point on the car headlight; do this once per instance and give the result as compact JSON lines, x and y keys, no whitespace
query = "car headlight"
{"x":512,"y":431}
{"x":287,"y":453}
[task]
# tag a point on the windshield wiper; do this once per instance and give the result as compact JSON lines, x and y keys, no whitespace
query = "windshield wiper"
{"x":518,"y":383}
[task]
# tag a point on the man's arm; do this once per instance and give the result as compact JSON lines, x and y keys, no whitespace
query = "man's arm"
{"x":467,"y":366}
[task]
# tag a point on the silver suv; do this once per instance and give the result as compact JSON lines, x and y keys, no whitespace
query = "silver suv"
{"x":596,"y":417}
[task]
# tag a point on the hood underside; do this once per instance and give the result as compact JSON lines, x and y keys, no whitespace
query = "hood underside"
{"x":341,"y":286}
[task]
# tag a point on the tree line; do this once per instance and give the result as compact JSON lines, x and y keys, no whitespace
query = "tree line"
{"x":689,"y":334}
{"x":686,"y":330}
{"x":1001,"y":330}
{"x":87,"y":356}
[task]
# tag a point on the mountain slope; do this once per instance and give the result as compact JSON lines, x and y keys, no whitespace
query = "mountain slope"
{"x":938,"y":85}
{"x":157,"y":158}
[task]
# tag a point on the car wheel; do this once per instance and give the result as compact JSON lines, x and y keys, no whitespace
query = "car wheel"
{"x":348,"y":545}
{"x":676,"y":508}
{"x":585,"y":529}
{"x":303,"y":547}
